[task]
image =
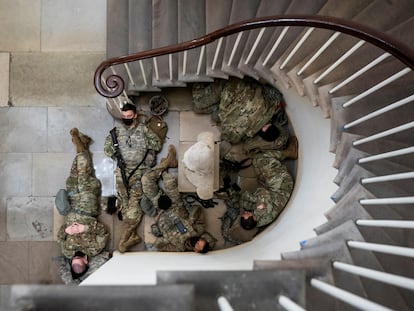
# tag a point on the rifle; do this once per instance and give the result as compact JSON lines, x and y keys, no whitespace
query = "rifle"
{"x":119,"y":159}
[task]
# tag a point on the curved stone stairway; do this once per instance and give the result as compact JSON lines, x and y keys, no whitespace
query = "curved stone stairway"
{"x":361,"y":256}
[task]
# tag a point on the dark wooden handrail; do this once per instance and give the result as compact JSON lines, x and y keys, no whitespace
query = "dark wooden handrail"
{"x":398,"y":49}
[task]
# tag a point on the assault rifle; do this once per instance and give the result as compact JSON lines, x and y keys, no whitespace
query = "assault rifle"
{"x":119,"y":159}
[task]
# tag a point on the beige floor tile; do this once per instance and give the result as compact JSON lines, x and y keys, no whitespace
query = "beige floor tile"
{"x":192,"y":124}
{"x":44,"y":262}
{"x":14,"y":262}
{"x":3,"y":220}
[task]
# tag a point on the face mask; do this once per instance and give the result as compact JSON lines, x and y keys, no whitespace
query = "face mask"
{"x":127,"y":122}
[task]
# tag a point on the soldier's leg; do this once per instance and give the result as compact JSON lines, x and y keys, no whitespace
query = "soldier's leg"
{"x":132,"y":214}
{"x":122,"y":195}
{"x":171,"y":187}
{"x":150,"y":179}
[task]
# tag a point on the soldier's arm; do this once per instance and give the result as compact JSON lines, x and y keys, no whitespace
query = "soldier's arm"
{"x":153,"y":141}
{"x":66,"y":250}
{"x":109,"y":147}
{"x":163,"y":245}
{"x":97,"y":239}
{"x":210,"y":239}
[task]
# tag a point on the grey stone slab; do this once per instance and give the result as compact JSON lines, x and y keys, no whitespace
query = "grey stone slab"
{"x":20,"y":25}
{"x":50,"y":171}
{"x":30,"y":218}
{"x":3,"y":223}
{"x":54,"y":79}
{"x":14,"y":262}
{"x":4,"y":78}
{"x":104,"y":171}
{"x":15,"y":174}
{"x":117,"y":27}
{"x":73,"y":25}
{"x":245,"y":290}
{"x":92,"y":121}
{"x":127,"y":298}
{"x":23,"y":129}
{"x":44,"y":262}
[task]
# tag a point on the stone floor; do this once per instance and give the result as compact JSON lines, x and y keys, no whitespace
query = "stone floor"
{"x":29,"y":252}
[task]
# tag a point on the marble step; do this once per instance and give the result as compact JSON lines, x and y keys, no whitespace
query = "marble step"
{"x":335,"y":8}
{"x":337,"y":251}
{"x":241,"y":10}
{"x":165,"y":33}
{"x":191,"y":25}
{"x":117,"y":40}
{"x":365,"y":259}
{"x":340,"y":214}
{"x":217,"y":16}
{"x":247,"y":61}
{"x":295,"y":7}
{"x":245,"y":290}
{"x":60,"y":297}
{"x":140,"y":39}
{"x":350,"y":180}
{"x":319,"y":268}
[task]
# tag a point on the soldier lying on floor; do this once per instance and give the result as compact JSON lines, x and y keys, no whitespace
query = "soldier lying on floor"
{"x":249,"y":212}
{"x":82,"y":237}
{"x":176,"y":228}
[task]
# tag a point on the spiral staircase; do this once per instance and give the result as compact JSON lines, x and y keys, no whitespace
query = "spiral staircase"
{"x":353,"y":60}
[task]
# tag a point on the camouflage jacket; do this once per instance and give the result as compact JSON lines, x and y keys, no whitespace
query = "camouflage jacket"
{"x":231,"y":229}
{"x":275,"y":188}
{"x":245,"y":108}
{"x":94,"y":264}
{"x":257,"y":144}
{"x":133,"y":145}
{"x":91,"y":242}
{"x":172,"y":240}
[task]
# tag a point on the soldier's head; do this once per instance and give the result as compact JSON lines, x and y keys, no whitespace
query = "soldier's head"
{"x":269,"y":132}
{"x":199,"y":245}
{"x":164,"y":202}
{"x":248,"y":221}
{"x":129,"y":114}
{"x":79,"y":264}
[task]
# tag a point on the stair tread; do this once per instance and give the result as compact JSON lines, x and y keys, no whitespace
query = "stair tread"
{"x":54,"y":297}
{"x":237,"y":286}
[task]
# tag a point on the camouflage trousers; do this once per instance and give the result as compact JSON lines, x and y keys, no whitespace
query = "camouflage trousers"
{"x":150,"y":184}
{"x":275,"y":188}
{"x":129,"y":205}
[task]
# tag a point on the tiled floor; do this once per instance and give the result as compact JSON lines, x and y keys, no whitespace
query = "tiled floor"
{"x":28,"y":251}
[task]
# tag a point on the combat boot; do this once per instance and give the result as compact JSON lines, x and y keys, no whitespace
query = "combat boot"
{"x":134,"y":239}
{"x":79,"y":140}
{"x":291,"y":152}
{"x":129,"y":237}
{"x":171,"y":159}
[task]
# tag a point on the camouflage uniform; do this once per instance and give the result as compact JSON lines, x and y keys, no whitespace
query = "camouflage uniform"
{"x":83,"y":188}
{"x":257,"y":144}
{"x":275,"y":188}
{"x":134,"y":142}
{"x":172,"y":240}
{"x":91,"y":242}
{"x":84,"y":192}
{"x":94,"y":263}
{"x":231,"y":229}
{"x":245,"y":107}
{"x":206,"y":96}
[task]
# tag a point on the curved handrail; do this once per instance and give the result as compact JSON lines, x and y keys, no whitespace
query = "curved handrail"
{"x":398,"y":49}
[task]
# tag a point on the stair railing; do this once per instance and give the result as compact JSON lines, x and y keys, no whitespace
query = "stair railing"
{"x":114,"y":84}
{"x":111,"y":85}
